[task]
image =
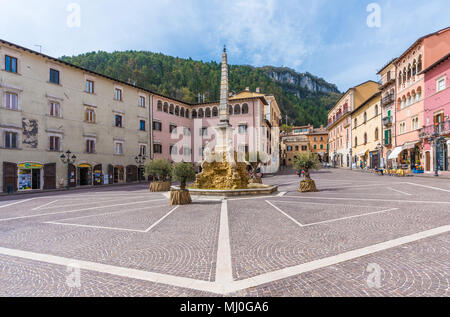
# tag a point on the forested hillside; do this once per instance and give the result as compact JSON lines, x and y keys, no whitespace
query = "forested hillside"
{"x":304,"y":98}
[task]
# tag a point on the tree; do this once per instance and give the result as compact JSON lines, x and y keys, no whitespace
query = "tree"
{"x":306,"y":162}
{"x":183,"y":172}
{"x":160,"y":168}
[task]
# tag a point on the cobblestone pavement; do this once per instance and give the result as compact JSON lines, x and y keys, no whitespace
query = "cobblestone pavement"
{"x":361,"y":235}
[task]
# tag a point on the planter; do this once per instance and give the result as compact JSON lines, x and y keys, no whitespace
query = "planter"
{"x":160,"y":186}
{"x":307,"y":186}
{"x":180,"y":197}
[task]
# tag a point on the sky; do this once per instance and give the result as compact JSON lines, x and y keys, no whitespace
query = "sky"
{"x":343,"y":41}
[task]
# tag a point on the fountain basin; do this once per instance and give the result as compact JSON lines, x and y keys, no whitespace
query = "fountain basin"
{"x":260,"y":190}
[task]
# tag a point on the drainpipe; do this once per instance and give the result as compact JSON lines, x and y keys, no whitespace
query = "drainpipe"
{"x":150,"y":111}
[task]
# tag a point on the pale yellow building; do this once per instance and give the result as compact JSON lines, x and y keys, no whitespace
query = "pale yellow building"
{"x":367,"y":133}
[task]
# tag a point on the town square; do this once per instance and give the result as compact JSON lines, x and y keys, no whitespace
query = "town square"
{"x":208,"y":162}
{"x":129,"y":242}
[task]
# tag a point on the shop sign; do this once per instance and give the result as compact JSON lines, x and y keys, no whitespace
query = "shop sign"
{"x":30,"y":166}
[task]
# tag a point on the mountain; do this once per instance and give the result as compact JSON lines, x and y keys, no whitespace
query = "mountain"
{"x":304,"y":98}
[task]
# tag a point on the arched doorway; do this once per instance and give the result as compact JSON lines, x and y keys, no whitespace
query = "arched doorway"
{"x":119,"y":174}
{"x":85,"y":174}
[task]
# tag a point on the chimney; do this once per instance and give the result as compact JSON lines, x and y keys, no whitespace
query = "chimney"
{"x":247,"y":88}
{"x":258,"y":90}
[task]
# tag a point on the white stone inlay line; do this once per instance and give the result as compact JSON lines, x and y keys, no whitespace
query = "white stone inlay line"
{"x":333,"y":260}
{"x":45,"y":205}
{"x":281,"y":194}
{"x":370,"y":199}
{"x":113,"y":228}
{"x":399,"y":191}
{"x":15,"y":203}
{"x":431,"y":187}
{"x":71,"y":211}
{"x":292,"y":219}
{"x":224,"y":268}
{"x":225,"y":287}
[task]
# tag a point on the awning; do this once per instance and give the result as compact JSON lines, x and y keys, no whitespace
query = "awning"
{"x":363,"y":153}
{"x":395,"y":153}
{"x":409,"y":145}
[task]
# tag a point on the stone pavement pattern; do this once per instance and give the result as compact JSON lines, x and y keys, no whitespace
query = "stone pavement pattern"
{"x":131,"y":243}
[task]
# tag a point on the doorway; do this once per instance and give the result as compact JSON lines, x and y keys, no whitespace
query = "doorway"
{"x":427,"y":161}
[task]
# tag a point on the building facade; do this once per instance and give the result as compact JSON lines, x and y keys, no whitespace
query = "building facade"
{"x":49,"y":107}
{"x":437,"y":115}
{"x":366,"y":133}
{"x":340,"y":123}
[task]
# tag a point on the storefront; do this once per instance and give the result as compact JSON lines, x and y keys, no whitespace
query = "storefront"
{"x":119,"y":174}
{"x":85,"y":174}
{"x":98,"y":175}
{"x":30,"y":176}
{"x":374,"y":159}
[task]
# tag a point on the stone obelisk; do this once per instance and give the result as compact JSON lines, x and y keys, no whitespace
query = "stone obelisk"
{"x":224,"y":141}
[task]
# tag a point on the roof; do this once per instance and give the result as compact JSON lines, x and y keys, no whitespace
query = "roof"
{"x":387,"y":65}
{"x":352,"y":88}
{"x":421,"y":39}
{"x":443,"y":59}
{"x":377,"y":94}
{"x":117,"y":80}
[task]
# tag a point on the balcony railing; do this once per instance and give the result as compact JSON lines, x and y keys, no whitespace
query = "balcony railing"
{"x":387,"y":100}
{"x":442,"y":128}
{"x":338,"y":117}
{"x":387,"y":121}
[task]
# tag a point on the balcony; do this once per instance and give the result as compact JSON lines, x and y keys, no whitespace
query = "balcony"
{"x":340,"y":115}
{"x":387,"y":100}
{"x":442,"y":128}
{"x":387,"y":121}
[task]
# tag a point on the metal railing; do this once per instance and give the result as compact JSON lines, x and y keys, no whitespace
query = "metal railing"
{"x":387,"y":121}
{"x":442,"y":128}
{"x":387,"y":100}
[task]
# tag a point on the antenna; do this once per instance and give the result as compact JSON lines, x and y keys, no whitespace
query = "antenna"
{"x":40,"y":47}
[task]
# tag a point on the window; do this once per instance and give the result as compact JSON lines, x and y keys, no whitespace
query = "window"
{"x":315,"y":139}
{"x":356,"y":141}
{"x":415,"y":123}
{"x":203,"y":131}
{"x":166,"y":107}
{"x":55,"y":109}
{"x":187,"y":131}
{"x":10,"y":140}
{"x":356,"y":122}
{"x":243,"y":128}
{"x":365,"y":117}
{"x":118,"y":148}
{"x":376,"y":110}
{"x":54,"y":143}
{"x":157,"y":148}
{"x":142,"y":101}
{"x":157,"y":126}
{"x":142,"y":125}
{"x":89,"y":115}
{"x":118,"y":121}
{"x":90,"y":146}
{"x":173,"y":128}
{"x":321,"y":146}
{"x":304,"y":148}
{"x":244,"y":108}
{"x":440,"y":84}
{"x":321,"y":138}
{"x":237,"y":109}
{"x":118,"y":94}
{"x":187,"y":151}
{"x":208,"y":113}
{"x":365,"y":138}
{"x":173,"y":150}
{"x":143,"y":149}
{"x":11,"y":64}
{"x":289,"y":148}
{"x":376,"y":134}
{"x":54,"y":76}
{"x":177,"y":111}
{"x":315,"y":146}
{"x":296,"y":148}
{"x":89,"y":86}
{"x":11,"y":101}
{"x":215,"y":112}
{"x":159,"y":105}
{"x":402,"y":127}
{"x":171,"y":109}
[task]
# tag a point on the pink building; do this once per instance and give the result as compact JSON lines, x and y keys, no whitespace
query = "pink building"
{"x":410,"y":86}
{"x":437,"y":115}
{"x":181,"y":131}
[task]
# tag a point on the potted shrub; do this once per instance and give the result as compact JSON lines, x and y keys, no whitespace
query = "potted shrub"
{"x":161,"y":170}
{"x":305,"y":162}
{"x":254,"y":160}
{"x":182,"y":172}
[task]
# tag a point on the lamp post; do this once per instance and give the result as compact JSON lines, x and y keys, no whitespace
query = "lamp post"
{"x":351,"y":158}
{"x":140,"y":160}
{"x":68,"y":159}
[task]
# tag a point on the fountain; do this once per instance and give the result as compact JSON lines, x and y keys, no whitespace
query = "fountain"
{"x":224,"y":171}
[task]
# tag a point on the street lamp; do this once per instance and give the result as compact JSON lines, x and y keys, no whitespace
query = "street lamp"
{"x":140,"y":160}
{"x":68,"y":159}
{"x":351,"y":158}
